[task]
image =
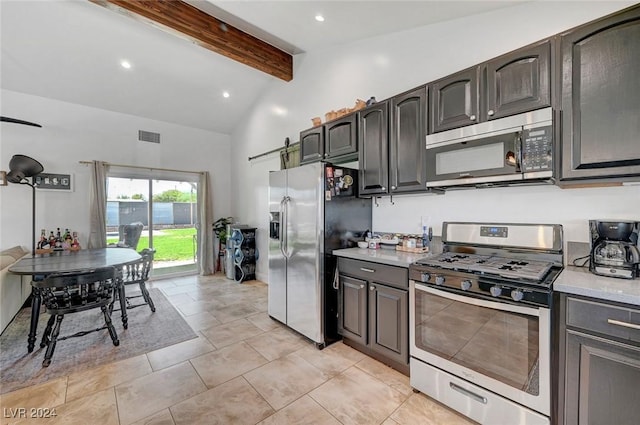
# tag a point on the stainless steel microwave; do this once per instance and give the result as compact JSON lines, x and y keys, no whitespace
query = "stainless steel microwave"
{"x":509,"y":150}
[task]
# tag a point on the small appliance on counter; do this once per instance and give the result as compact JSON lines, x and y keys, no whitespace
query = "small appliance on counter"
{"x":614,"y":248}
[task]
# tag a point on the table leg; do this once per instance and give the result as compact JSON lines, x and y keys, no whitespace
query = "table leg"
{"x":35,"y":315}
{"x":123,"y":305}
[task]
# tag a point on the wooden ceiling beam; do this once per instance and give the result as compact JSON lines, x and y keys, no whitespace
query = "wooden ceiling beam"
{"x":197,"y":26}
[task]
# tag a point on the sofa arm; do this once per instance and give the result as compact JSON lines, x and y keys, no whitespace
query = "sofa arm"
{"x":13,"y":292}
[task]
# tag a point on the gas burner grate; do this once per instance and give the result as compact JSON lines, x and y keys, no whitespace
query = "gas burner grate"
{"x":506,"y":267}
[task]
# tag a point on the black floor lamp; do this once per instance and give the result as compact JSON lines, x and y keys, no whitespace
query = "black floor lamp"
{"x":21,"y":167}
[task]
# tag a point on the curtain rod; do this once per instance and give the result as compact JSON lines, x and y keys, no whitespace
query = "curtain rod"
{"x":144,"y":168}
{"x":251,"y":158}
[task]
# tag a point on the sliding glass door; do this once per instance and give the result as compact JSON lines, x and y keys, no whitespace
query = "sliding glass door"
{"x":167,"y":208}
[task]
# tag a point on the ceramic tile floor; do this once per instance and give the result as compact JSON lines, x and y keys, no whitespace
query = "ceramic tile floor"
{"x":244,"y":368}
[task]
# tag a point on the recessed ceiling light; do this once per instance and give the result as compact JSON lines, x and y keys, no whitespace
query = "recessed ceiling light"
{"x":319,"y":18}
{"x":225,"y":94}
{"x":125,"y":64}
{"x":278,"y":110}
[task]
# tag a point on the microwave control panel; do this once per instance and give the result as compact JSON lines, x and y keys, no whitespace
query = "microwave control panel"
{"x":537,"y":148}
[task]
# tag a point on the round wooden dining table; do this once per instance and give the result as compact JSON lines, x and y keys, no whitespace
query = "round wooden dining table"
{"x":41,"y":265}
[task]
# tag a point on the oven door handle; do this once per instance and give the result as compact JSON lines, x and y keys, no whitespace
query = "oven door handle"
{"x":470,"y":394}
{"x":529,"y":311}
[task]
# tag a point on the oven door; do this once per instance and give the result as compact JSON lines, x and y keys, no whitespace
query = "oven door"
{"x":501,"y":347}
{"x":483,"y":160}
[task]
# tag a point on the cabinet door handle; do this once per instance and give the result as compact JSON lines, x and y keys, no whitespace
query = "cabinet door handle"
{"x":383,"y":188}
{"x":393,"y":188}
{"x":472,"y":117}
{"x":361,"y":286}
{"x":490,"y":112}
{"x":372,"y":288}
{"x":624,"y":324}
{"x":367,"y":270}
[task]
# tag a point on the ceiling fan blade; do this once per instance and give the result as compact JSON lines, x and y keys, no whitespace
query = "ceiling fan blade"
{"x":16,"y":121}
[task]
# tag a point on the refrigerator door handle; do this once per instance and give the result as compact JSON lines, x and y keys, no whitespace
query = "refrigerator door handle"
{"x":286,"y":200}
{"x":282,"y":229}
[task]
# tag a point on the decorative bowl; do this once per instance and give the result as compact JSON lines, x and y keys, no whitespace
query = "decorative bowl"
{"x":362,"y":244}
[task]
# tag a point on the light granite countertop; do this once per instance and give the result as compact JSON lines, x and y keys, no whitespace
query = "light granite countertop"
{"x":382,"y":256}
{"x":579,"y":281}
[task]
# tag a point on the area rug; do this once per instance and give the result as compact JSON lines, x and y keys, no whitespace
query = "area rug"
{"x":147,"y":332}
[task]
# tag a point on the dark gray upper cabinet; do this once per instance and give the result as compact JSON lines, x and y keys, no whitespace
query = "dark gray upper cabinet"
{"x":335,"y":139}
{"x":341,"y":137}
{"x":407,"y":148}
{"x":518,"y":81}
{"x":312,"y":145}
{"x":600,"y":98}
{"x":373,"y":147}
{"x":454,"y":100}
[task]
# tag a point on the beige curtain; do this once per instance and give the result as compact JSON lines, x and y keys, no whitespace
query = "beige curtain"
{"x":206,"y":261}
{"x":98,"y":202}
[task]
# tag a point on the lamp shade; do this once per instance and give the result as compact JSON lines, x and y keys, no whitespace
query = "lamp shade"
{"x":22,"y":166}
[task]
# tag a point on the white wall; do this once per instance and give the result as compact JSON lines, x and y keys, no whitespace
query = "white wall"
{"x":388,"y":65}
{"x":72,"y":133}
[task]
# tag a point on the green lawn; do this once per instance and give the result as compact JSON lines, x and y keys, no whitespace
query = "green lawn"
{"x":170,"y":244}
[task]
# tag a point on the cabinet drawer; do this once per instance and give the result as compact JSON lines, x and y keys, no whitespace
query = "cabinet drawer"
{"x":374,"y":272}
{"x":605,"y":319}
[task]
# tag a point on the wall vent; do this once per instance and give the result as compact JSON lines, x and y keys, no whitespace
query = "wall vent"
{"x":148,"y":136}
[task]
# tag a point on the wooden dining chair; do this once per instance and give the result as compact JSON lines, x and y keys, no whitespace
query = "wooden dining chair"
{"x":137,"y":274}
{"x":68,"y":293}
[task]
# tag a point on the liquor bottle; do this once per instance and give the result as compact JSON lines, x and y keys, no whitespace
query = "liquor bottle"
{"x":426,"y":242}
{"x":75,"y":244}
{"x":66,"y":243}
{"x":43,"y":240}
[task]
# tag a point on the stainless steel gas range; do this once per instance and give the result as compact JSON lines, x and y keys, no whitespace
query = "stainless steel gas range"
{"x":480,"y":320}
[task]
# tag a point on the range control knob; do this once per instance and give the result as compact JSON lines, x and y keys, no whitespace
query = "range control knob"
{"x":439,"y":280}
{"x":517,"y":294}
{"x":424,"y":277}
{"x":496,"y":291}
{"x":465,"y":285}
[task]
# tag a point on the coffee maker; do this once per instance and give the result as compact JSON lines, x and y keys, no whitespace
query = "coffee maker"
{"x":615,"y":251}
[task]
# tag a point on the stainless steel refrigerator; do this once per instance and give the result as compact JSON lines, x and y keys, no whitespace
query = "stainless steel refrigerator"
{"x":314,"y":210}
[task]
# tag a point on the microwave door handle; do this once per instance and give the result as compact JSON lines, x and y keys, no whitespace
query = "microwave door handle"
{"x":518,"y":148}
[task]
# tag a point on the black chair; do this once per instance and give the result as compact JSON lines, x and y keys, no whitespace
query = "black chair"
{"x":129,"y":235}
{"x":138,"y":273}
{"x":72,"y":293}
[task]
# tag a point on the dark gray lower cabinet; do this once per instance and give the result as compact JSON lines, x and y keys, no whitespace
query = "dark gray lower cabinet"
{"x":601,"y":364}
{"x":352,"y":307}
{"x":602,"y":381}
{"x":388,"y":324}
{"x":373,"y":310}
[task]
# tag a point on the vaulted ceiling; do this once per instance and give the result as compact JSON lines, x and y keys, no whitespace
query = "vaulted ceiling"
{"x":72,"y":51}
